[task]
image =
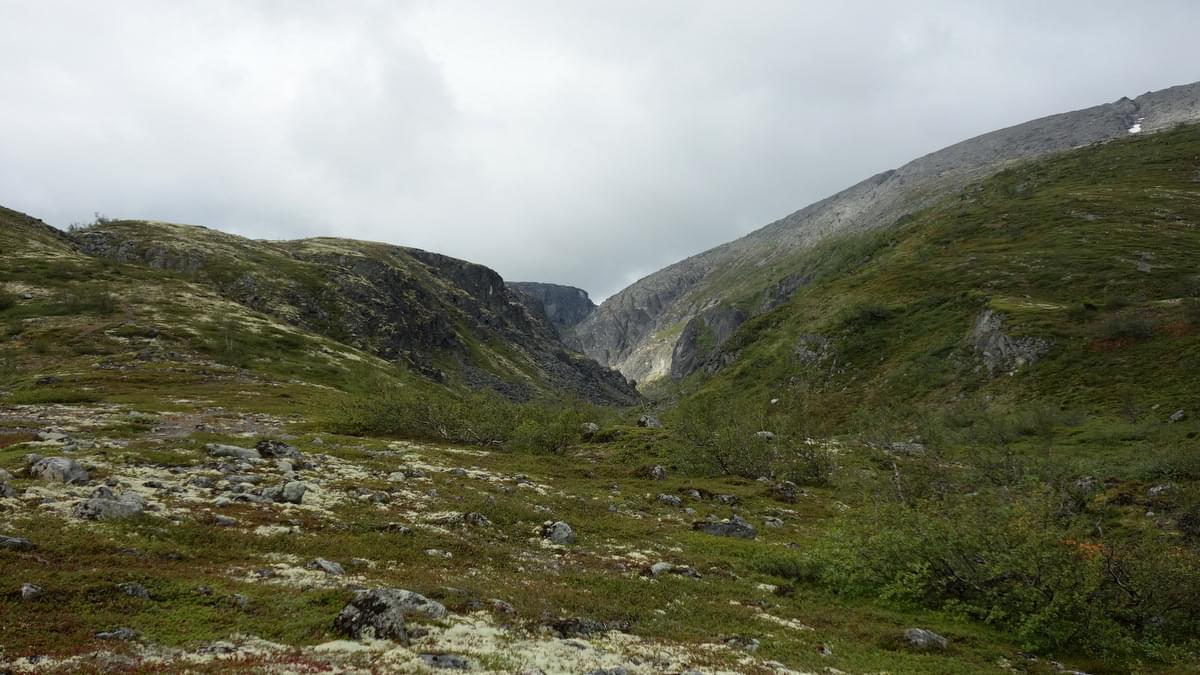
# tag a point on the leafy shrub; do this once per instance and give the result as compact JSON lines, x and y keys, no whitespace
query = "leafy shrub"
{"x":476,"y":418}
{"x":1191,"y":312}
{"x":7,"y":299}
{"x":1126,"y":327}
{"x":724,"y":437}
{"x":92,"y":298}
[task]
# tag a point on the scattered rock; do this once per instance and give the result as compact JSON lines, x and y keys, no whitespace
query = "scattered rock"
{"x":786,"y":491}
{"x":7,"y":491}
{"x":649,"y":422}
{"x":727,"y":500}
{"x":748,"y":644}
{"x":765,"y":435}
{"x":660,"y":568}
{"x":30,"y":591}
{"x":16,"y":543}
{"x":327,"y":566}
{"x":59,"y":470}
{"x":589,"y":428}
{"x":734,"y":527}
{"x":104,"y":508}
{"x":446,"y":661}
{"x":438,"y":553}
{"x":373,"y":615}
{"x":52,"y":437}
{"x":670,"y":500}
{"x":123,"y":634}
{"x":905,"y":448}
{"x":221,"y":450}
{"x":501,"y":607}
{"x":558,"y":532}
{"x":476,"y":519}
{"x":224,"y":521}
{"x":1177,"y":416}
{"x":292,"y":492}
{"x":580,"y":627}
{"x":772,"y":522}
{"x":922,"y":638}
{"x":276,"y":449}
{"x":658,"y":472}
{"x":134,"y":590}
{"x":1002,"y":352}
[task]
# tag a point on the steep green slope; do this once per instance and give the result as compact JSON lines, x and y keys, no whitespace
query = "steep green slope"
{"x":1076,"y":274}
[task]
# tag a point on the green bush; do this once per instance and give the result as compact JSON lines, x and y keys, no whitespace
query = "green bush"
{"x":475,"y":418}
{"x":7,"y":299}
{"x":1126,"y":327}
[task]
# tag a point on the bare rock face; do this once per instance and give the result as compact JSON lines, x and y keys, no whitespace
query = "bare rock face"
{"x":1000,"y":352}
{"x":563,"y":306}
{"x":636,"y":330}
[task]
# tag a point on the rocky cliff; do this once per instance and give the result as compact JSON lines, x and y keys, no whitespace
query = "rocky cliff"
{"x":638,"y":329}
{"x":563,"y":306}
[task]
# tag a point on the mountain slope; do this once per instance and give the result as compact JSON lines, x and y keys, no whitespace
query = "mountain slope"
{"x":637,"y":330}
{"x":1069,"y":282}
{"x":564,"y":306}
{"x":450,"y":320}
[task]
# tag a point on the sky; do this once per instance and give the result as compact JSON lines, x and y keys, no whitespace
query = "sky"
{"x":585,"y":143}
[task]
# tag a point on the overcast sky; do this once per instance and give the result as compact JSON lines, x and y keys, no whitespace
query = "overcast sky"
{"x":586,"y":143}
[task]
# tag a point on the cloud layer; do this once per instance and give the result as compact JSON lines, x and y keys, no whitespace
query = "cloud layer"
{"x":586,"y":143}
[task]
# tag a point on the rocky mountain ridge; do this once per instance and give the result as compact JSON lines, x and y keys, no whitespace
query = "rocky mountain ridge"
{"x":638,"y":329}
{"x":563,"y":306}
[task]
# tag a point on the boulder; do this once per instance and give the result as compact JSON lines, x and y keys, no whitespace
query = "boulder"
{"x":786,"y":491}
{"x":1177,"y":416}
{"x":103,"y":508}
{"x":446,"y":661}
{"x":16,"y":543}
{"x":380,"y":613}
{"x":734,"y":527}
{"x":327,"y":566}
{"x":558,"y":532}
{"x":670,"y":500}
{"x":649,"y":422}
{"x":657,"y":472}
{"x":922,"y":638}
{"x":134,"y":590}
{"x":233,"y":451}
{"x":59,"y":470}
{"x":292,"y":492}
{"x":124,"y":634}
{"x":30,"y":591}
{"x":589,"y":428}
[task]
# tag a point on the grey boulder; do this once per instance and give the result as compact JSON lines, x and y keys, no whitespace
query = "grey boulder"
{"x":922,"y":638}
{"x":734,"y":527}
{"x":59,"y":470}
{"x":105,"y":508}
{"x":222,"y":450}
{"x":558,"y":532}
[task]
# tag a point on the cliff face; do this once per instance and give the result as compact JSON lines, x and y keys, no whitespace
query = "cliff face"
{"x":448,"y":319}
{"x":563,"y":306}
{"x":637,"y":330}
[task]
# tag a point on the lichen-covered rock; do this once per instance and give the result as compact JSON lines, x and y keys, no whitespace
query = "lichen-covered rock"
{"x":233,"y":451}
{"x":558,"y":532}
{"x":59,"y":470}
{"x":380,"y":613}
{"x":922,"y":638}
{"x":16,"y":543}
{"x":104,"y":508}
{"x":1001,"y":352}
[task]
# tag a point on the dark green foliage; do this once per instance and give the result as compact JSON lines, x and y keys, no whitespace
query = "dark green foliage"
{"x":752,"y":441}
{"x":1126,"y":327}
{"x":478,"y":418}
{"x":7,"y":300}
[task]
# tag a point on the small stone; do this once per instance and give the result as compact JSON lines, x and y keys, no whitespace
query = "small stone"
{"x":740,"y":642}
{"x":922,"y":638}
{"x":558,"y":532}
{"x":446,"y":661}
{"x":100,"y":508}
{"x":327,"y":566}
{"x":501,"y":607}
{"x":589,"y":428}
{"x":660,"y":568}
{"x":456,"y":471}
{"x":134,"y":590}
{"x":649,"y":422}
{"x":52,"y":437}
{"x":7,"y":491}
{"x":670,"y":500}
{"x":30,"y":591}
{"x":476,"y":519}
{"x":224,"y":521}
{"x":658,"y":472}
{"x":772,"y":522}
{"x":124,"y":634}
{"x":438,"y":553}
{"x":765,"y":435}
{"x":222,"y":450}
{"x":1177,"y":416}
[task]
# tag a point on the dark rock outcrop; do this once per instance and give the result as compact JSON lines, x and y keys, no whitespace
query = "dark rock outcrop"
{"x":563,"y":306}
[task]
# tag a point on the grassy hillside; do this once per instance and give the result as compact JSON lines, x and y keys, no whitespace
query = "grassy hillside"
{"x":1093,"y":252}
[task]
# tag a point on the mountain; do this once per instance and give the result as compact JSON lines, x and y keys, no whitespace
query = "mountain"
{"x":448,"y":320}
{"x":639,"y":330}
{"x":1066,"y":283}
{"x":564,"y":306}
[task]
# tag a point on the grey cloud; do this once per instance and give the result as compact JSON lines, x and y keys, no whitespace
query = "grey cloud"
{"x":584,"y":143}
